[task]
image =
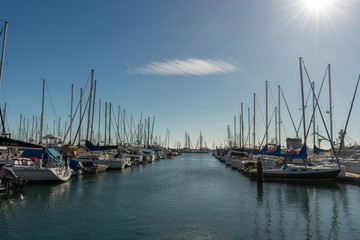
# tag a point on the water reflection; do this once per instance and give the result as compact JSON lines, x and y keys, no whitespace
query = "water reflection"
{"x":260,"y":191}
{"x":38,"y":190}
{"x":304,"y":209}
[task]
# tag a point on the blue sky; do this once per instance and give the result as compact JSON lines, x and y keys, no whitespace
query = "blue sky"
{"x":188,"y":63}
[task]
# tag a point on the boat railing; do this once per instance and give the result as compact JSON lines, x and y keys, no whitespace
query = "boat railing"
{"x":22,"y":162}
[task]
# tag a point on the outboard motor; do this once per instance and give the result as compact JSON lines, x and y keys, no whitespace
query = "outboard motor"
{"x":9,"y":179}
{"x":76,"y":166}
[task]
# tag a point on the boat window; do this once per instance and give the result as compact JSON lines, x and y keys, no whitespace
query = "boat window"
{"x":294,"y":170}
{"x":304,"y":169}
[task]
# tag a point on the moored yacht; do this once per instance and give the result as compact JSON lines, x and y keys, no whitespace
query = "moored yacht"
{"x":291,"y":172}
{"x":40,"y":167}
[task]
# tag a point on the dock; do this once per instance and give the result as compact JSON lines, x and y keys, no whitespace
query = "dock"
{"x":349,"y":177}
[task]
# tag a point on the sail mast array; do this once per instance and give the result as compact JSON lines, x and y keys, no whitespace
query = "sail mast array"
{"x":127,"y":130}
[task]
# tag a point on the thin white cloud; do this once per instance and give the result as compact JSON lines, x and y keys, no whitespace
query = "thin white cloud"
{"x":190,"y":66}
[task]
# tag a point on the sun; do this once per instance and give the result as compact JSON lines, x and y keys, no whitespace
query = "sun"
{"x":318,"y":5}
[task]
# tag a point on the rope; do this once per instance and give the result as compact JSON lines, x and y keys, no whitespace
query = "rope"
{"x":287,"y":107}
{"x":322,"y":118}
{"x":73,"y":117}
{"x":52,"y":104}
{"x":262,"y":117}
{"x":322,"y":84}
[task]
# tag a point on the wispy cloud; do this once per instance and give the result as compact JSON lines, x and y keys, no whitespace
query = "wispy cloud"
{"x":190,"y":66}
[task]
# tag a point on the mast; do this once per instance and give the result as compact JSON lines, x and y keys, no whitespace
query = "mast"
{"x":131,"y":133}
{"x":109,"y":123}
{"x":254,"y":139}
{"x":302,"y":99}
{"x":140,"y":125}
{"x":65,"y":129}
{"x":32,"y":127}
{"x":105,"y":122}
{"x":266,"y":112}
{"x":234,"y":131}
{"x":42,"y":112}
{"x":71,"y":108}
{"x":99,"y":139}
{"x":276,"y":137}
{"x":3,"y":50}
{"x":90,"y":100}
{"x":279,"y":115}
{"x":249,"y":126}
{"x":124,"y":132}
{"x":93,"y":111}
{"x":36,"y":130}
{"x":20,"y":127}
{"x":168,"y":140}
{"x":80,"y":118}
{"x":313,"y":120}
{"x":59,"y":127}
{"x":342,"y":143}
{"x":3,"y":117}
{"x":242,"y":127}
{"x":239,"y":130}
{"x":142,"y":132}
{"x":118,"y":124}
{"x":330,"y":112}
{"x":152,"y":130}
{"x":148,"y":135}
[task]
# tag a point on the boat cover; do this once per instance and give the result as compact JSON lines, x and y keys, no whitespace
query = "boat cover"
{"x":52,"y":153}
{"x":8,"y":142}
{"x":36,"y":153}
{"x":277,"y":153}
{"x":92,"y":147}
{"x":75,"y":164}
{"x":32,"y":153}
{"x":318,"y":150}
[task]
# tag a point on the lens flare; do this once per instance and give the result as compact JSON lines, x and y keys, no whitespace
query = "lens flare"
{"x":318,"y":4}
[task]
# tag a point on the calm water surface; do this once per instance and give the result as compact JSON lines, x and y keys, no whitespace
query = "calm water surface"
{"x":192,"y":196}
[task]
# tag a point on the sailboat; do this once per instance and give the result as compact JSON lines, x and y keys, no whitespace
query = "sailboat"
{"x":201,"y":149}
{"x":50,"y":168}
{"x":307,"y":172}
{"x":37,"y":163}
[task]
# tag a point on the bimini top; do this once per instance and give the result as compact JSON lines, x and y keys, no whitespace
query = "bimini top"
{"x":36,"y":153}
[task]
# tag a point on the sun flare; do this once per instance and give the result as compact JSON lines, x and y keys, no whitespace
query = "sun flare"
{"x":318,"y":4}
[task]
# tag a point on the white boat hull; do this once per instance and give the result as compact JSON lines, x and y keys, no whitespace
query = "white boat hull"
{"x":32,"y":174}
{"x":112,"y":164}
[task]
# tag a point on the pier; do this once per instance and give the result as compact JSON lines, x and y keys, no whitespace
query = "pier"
{"x":349,"y":177}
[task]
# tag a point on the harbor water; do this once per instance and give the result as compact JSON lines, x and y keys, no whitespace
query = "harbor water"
{"x":192,"y":196}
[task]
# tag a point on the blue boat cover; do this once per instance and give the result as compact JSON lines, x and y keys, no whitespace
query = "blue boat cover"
{"x":92,"y":147}
{"x":277,"y":152}
{"x":73,"y":164}
{"x":36,"y":153}
{"x":87,"y":164}
{"x":318,"y":150}
{"x":52,"y":153}
{"x":32,"y":153}
{"x":9,"y":142}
